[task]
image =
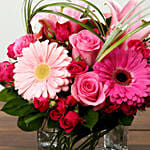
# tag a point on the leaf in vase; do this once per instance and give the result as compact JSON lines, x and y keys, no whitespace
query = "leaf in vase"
{"x":91,"y":119}
{"x":52,"y":123}
{"x":126,"y":120}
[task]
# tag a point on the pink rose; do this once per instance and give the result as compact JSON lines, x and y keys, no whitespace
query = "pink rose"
{"x":69,"y":122}
{"x":86,"y":45}
{"x":15,"y":49}
{"x":77,"y":67}
{"x":139,"y":47}
{"x":41,"y":103}
{"x":63,"y":31}
{"x":6,"y":71}
{"x":89,"y":90}
{"x":71,"y":101}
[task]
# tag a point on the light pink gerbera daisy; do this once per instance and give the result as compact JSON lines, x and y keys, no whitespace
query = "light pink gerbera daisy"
{"x":127,"y":76}
{"x":42,"y":70}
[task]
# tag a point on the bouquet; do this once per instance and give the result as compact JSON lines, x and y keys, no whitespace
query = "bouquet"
{"x":77,"y":70}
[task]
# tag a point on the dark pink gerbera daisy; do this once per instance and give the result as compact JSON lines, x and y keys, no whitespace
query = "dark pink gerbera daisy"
{"x":126,"y":74}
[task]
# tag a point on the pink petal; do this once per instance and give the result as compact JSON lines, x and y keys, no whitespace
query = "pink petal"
{"x":115,"y":11}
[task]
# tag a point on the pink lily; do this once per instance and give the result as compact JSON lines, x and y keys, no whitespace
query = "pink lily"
{"x":118,"y":13}
{"x":43,"y":21}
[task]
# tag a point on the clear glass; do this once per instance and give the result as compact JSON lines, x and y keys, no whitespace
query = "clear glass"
{"x":116,"y":139}
{"x":54,"y":139}
{"x":46,"y":139}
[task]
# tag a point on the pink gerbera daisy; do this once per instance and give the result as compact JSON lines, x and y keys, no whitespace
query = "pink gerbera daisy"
{"x":41,"y":71}
{"x":127,"y":75}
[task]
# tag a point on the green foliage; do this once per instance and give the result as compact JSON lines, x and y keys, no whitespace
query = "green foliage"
{"x":35,"y":124}
{"x":103,"y":29}
{"x":95,"y":7}
{"x":18,"y":107}
{"x":126,"y":120}
{"x":52,"y":123}
{"x":7,"y":94}
{"x":91,"y":119}
{"x":33,"y":116}
{"x":15,"y":104}
{"x":30,"y":119}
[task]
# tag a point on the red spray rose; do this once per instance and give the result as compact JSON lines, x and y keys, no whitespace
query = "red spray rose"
{"x":69,"y":122}
{"x":59,"y":110}
{"x":11,"y":53}
{"x":139,"y":47}
{"x":41,"y":103}
{"x":56,"y":114}
{"x":127,"y":109}
{"x":77,"y":68}
{"x":6,"y":71}
{"x":71,"y":101}
{"x":147,"y":102}
{"x":15,"y":49}
{"x":110,"y":107}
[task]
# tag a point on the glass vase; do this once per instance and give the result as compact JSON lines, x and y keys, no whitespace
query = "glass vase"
{"x":116,"y":139}
{"x":57,"y":139}
{"x":50,"y":140}
{"x":46,"y":139}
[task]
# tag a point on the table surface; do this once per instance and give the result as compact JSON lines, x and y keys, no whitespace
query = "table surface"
{"x":12,"y":138}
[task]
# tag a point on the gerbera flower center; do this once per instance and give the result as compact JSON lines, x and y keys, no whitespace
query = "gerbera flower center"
{"x":42,"y":71}
{"x":122,"y":77}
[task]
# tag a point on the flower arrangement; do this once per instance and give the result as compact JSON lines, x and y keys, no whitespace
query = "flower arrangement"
{"x":77,"y":73}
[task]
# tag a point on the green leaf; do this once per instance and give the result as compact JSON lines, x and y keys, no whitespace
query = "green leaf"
{"x":31,"y":117}
{"x":18,"y":107}
{"x":95,"y":7}
{"x":52,"y":123}
{"x":29,"y":7}
{"x":91,"y":119}
{"x":37,"y":5}
{"x":126,"y":120}
{"x":98,"y":10}
{"x":32,"y":126}
{"x":25,"y":13}
{"x":7,"y":94}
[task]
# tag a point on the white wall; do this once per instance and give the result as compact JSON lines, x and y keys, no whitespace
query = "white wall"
{"x":12,"y":23}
